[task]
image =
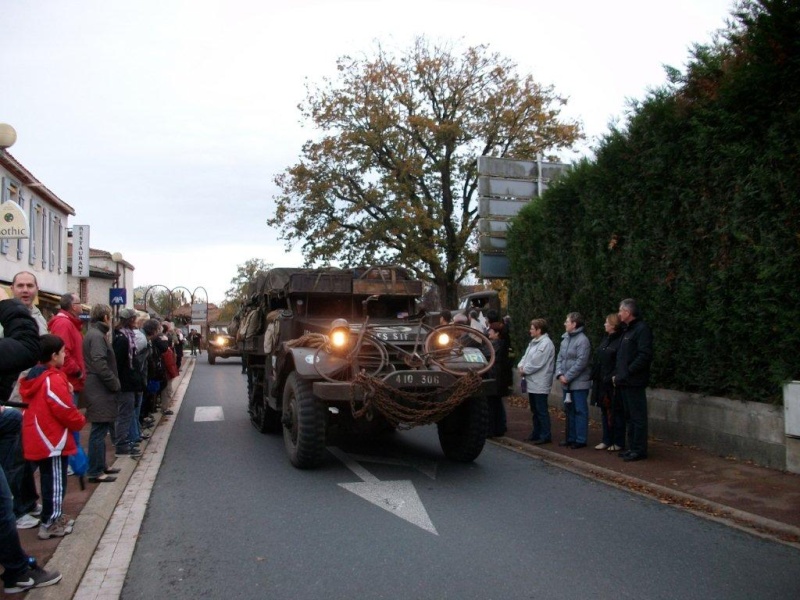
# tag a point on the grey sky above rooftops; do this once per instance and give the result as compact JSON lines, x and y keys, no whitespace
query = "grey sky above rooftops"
{"x":163,"y":122}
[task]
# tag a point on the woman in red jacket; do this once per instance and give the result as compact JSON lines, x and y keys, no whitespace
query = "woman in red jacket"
{"x":46,"y":431}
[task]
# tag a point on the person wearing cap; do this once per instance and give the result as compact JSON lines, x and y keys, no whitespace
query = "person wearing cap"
{"x":124,"y":345}
{"x":66,"y":324}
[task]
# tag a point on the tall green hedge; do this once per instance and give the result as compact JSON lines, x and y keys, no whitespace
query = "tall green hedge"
{"x":693,"y":210}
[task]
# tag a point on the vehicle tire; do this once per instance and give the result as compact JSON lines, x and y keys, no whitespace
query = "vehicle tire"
{"x":263,"y":417}
{"x":211,"y":358}
{"x":462,"y":433}
{"x":303,"y":424}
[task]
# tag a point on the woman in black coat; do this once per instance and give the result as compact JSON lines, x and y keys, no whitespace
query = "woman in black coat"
{"x":603,"y":392}
{"x":501,"y":372}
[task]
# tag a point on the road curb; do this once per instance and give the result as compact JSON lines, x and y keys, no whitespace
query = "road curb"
{"x":75,"y":551}
{"x":708,"y":509}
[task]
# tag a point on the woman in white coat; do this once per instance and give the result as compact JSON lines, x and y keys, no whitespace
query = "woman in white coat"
{"x":536,"y":368}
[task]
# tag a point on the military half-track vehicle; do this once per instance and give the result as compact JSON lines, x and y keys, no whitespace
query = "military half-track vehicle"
{"x":343,"y":350}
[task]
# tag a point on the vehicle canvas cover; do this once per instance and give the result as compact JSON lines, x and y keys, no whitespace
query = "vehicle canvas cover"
{"x":283,"y":281}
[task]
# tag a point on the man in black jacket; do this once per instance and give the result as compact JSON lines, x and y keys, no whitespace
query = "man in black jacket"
{"x":20,"y":353}
{"x":19,"y":350}
{"x":632,"y":375}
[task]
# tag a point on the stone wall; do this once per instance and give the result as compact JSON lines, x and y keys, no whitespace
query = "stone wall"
{"x":744,"y":430}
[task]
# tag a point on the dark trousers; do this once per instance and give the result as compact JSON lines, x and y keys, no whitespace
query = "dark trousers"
{"x":614,"y":422}
{"x":497,"y":415}
{"x":19,"y":472}
{"x":12,"y":558}
{"x":97,"y":447}
{"x":125,"y":403}
{"x":540,"y":415}
{"x":634,"y":401}
{"x":53,"y":478}
{"x":148,"y":406}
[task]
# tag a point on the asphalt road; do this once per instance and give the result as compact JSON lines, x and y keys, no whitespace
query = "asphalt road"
{"x":229,"y":518}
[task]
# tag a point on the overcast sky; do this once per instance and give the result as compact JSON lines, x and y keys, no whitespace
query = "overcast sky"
{"x":163,"y":122}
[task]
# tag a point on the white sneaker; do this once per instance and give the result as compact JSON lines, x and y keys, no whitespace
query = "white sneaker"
{"x":600,"y":446}
{"x":27,"y":522}
{"x":36,"y":512}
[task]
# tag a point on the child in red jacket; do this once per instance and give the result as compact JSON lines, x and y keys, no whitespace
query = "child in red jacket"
{"x":46,"y":431}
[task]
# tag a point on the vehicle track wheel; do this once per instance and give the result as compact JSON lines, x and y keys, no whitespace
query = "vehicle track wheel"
{"x":303,"y":423}
{"x":263,"y":417}
{"x":462,"y":433}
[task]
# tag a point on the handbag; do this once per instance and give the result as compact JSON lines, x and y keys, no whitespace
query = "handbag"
{"x":79,"y":462}
{"x":153,"y":386}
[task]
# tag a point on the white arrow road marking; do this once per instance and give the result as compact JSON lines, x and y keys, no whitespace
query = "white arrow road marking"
{"x":426,"y":467}
{"x":397,"y":497}
{"x":208,"y":413}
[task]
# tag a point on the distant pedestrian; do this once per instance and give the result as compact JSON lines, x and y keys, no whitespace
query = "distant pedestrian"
{"x":445,"y":317}
{"x":573,"y":371}
{"x":163,"y":346}
{"x":100,"y":391}
{"x":194,"y":341}
{"x":604,"y":394}
{"x":46,"y":425}
{"x":536,"y":370}
{"x":178,"y":347}
{"x":632,"y":375}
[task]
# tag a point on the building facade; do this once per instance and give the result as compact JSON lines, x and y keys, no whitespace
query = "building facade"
{"x":44,"y":251}
{"x":107,"y":271}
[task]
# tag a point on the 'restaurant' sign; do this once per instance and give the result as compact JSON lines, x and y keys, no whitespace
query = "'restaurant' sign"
{"x":80,"y":251}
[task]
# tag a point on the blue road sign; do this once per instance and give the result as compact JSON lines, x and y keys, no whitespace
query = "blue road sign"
{"x":117,"y":297}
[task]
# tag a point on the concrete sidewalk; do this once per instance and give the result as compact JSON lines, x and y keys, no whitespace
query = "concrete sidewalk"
{"x":761,"y":501}
{"x":92,"y":510}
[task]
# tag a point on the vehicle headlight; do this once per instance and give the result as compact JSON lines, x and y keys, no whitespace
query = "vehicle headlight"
{"x":340,"y":335}
{"x":220,"y":340}
{"x":442,"y":339}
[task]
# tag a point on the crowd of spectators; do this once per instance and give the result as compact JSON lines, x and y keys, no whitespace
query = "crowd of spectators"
{"x":122,"y":373}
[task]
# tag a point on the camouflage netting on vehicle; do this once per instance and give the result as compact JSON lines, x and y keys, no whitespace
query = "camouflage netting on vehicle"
{"x":404,"y":409}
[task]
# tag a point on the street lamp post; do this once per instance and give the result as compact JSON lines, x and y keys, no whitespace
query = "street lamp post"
{"x":171,"y":292}
{"x":7,"y":136}
{"x":147,"y":291}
